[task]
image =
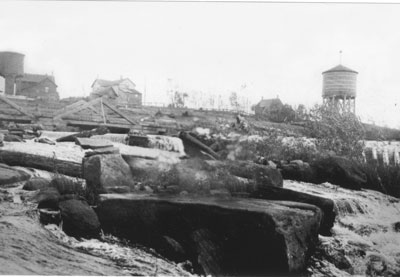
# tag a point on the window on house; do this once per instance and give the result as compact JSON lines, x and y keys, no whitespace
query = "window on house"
{"x":46,"y":89}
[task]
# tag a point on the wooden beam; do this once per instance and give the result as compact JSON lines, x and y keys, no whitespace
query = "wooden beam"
{"x":80,"y":107}
{"x":111,"y":107}
{"x":94,"y":124}
{"x":15,"y":106}
{"x":21,"y":118}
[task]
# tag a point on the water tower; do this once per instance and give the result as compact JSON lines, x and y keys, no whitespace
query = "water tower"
{"x":11,"y":68}
{"x":339,"y":88}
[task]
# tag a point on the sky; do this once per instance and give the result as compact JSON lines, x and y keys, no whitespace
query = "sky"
{"x":259,"y":50}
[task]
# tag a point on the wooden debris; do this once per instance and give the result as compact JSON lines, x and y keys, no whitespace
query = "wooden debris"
{"x":84,"y":134}
{"x":88,"y":143}
{"x":102,"y":151}
{"x":189,"y":138}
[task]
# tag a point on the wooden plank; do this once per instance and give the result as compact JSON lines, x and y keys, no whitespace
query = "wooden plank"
{"x":79,"y":108}
{"x":15,"y":106}
{"x":21,"y":118}
{"x":119,"y":112}
{"x":94,"y":124}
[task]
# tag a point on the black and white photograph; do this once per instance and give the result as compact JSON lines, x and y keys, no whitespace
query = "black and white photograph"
{"x":200,"y":138}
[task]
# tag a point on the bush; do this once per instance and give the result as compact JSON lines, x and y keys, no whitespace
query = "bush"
{"x":340,"y":132}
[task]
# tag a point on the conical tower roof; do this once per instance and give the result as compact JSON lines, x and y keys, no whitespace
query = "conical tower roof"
{"x":340,"y":68}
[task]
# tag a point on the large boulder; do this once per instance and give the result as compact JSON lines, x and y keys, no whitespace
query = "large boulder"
{"x":298,"y":171}
{"x":220,"y":237}
{"x":36,"y":183}
{"x":262,"y":175}
{"x":9,"y":175}
{"x":333,"y":169}
{"x":48,"y":197}
{"x":79,"y":219}
{"x":102,"y":172}
{"x":340,"y":171}
{"x":326,"y":205}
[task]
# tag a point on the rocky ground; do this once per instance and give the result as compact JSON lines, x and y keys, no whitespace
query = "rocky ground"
{"x":31,"y":248}
{"x":216,"y":217}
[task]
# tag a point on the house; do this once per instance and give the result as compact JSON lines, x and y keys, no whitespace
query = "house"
{"x":267,"y":106}
{"x":120,"y":92}
{"x":37,"y":86}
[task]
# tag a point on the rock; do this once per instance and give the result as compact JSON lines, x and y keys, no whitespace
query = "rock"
{"x":104,"y":171}
{"x":1,"y":139}
{"x":299,"y":163}
{"x":88,"y":143}
{"x":396,"y":226}
{"x":376,"y":265}
{"x":45,"y":141}
{"x":13,"y":138}
{"x":333,"y":169}
{"x":9,"y":175}
{"x":171,"y":248}
{"x":138,"y":140}
{"x":262,"y":175}
{"x":271,"y":164}
{"x":66,"y":185}
{"x":36,"y":183}
{"x":103,"y":151}
{"x":79,"y":219}
{"x":340,"y":171}
{"x":220,"y":192}
{"x":49,"y":216}
{"x":327,"y":206}
{"x":119,"y":189}
{"x":48,"y":198}
{"x":299,"y":172}
{"x":148,"y":189}
{"x":219,"y":236}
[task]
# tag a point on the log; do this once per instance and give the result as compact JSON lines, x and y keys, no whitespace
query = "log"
{"x":186,"y":136}
{"x":84,"y":134}
{"x":13,"y":158}
{"x":326,"y":205}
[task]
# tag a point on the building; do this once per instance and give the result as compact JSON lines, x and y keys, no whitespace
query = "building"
{"x":268,"y":106}
{"x":120,"y":92}
{"x":37,"y":86}
{"x":15,"y":82}
{"x":339,"y":89}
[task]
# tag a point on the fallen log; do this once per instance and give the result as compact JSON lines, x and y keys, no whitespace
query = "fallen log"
{"x":84,"y":134}
{"x":326,"y":205}
{"x":14,"y":158}
{"x":185,"y":136}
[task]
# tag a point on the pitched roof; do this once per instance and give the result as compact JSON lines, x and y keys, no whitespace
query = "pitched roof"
{"x":107,"y":83}
{"x":37,"y":78}
{"x":340,"y":68}
{"x":267,"y":103}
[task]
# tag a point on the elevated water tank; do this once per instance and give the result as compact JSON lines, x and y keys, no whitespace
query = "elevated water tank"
{"x":11,"y":63}
{"x":339,"y":82}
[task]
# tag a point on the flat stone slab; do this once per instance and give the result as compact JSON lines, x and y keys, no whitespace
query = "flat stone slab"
{"x":88,"y":143}
{"x":219,"y":236}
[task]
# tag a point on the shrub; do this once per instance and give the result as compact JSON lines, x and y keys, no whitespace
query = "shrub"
{"x":340,"y":132}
